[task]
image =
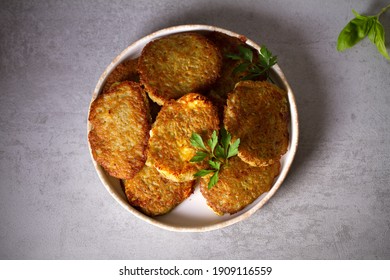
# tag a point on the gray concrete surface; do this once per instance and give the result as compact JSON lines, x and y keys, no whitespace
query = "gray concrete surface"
{"x":335,"y":203}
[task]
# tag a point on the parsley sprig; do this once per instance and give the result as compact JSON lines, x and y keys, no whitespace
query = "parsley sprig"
{"x":254,"y":68}
{"x":217,"y":153}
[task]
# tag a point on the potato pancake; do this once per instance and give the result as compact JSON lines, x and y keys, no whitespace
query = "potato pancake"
{"x":155,"y":195}
{"x":120,"y":124}
{"x":170,"y":149}
{"x":175,"y":65}
{"x":258,"y":113}
{"x":239,"y":185}
{"x":126,"y":71}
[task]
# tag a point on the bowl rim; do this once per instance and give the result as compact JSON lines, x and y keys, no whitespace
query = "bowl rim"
{"x":294,"y":137}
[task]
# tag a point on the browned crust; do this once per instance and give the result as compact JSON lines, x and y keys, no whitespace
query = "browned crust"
{"x":128,"y":71}
{"x":169,"y":149}
{"x":238,"y":186}
{"x":175,"y":65}
{"x":125,"y":71}
{"x":258,"y":114}
{"x":120,"y":124}
{"x":155,"y":195}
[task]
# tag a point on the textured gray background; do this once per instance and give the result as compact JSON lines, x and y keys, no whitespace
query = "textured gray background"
{"x":335,"y":203}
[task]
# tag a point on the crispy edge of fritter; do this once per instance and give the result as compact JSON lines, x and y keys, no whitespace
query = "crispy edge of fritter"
{"x":128,"y":71}
{"x":166,"y":160}
{"x":125,"y":71}
{"x":155,"y":93}
{"x":123,"y":172}
{"x":232,"y":193}
{"x":153,"y":194}
{"x":237,"y":125}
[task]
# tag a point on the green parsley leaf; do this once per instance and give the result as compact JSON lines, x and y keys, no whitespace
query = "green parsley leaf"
{"x":213,"y":180}
{"x":225,"y":141}
{"x":267,"y":60}
{"x":233,"y":149}
{"x":251,"y":68}
{"x":199,"y":156}
{"x":250,"y":77}
{"x":246,"y":53}
{"x":196,"y":141}
{"x":203,"y":172}
{"x":233,"y":56}
{"x":241,"y":68}
{"x":215,"y":164}
{"x":213,"y":141}
{"x":218,"y":154}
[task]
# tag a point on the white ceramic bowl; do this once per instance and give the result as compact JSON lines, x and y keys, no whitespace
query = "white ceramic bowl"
{"x":193,"y":215}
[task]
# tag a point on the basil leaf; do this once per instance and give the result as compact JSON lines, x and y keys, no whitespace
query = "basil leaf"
{"x":199,"y":156}
{"x":354,"y":32}
{"x":196,"y":141}
{"x":213,"y":180}
{"x":203,"y":172}
{"x":377,"y":36}
{"x":233,"y":149}
{"x":357,"y":15}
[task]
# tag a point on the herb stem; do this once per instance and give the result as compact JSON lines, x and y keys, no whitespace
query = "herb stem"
{"x":383,"y":11}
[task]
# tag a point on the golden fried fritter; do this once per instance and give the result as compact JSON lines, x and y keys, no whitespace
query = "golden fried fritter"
{"x":120,"y":122}
{"x":169,"y":149}
{"x":126,"y":71}
{"x":239,"y":185}
{"x":175,"y":65}
{"x":258,"y":113}
{"x":155,"y":195}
